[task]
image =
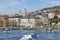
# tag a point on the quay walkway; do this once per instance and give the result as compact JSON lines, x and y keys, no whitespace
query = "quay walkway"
{"x":29,"y":28}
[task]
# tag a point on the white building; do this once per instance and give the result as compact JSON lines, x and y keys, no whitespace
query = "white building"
{"x":27,"y":22}
{"x":58,"y":16}
{"x":50,"y":15}
{"x":24,"y":22}
{"x":32,"y":22}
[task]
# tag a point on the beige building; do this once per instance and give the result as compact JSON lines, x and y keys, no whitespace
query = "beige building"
{"x":15,"y":21}
{"x":3,"y":21}
{"x":12,"y":22}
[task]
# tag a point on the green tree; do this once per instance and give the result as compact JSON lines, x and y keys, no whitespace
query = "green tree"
{"x":50,"y":22}
{"x":56,"y":20}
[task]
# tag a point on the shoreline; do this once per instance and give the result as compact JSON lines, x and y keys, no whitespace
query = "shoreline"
{"x":29,"y":29}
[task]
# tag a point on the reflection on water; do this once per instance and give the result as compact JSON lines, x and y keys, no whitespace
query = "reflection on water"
{"x":17,"y":34}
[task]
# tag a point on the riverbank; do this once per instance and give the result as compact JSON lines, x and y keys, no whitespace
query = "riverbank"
{"x":37,"y":29}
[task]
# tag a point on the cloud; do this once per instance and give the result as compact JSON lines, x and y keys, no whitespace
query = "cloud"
{"x":23,"y":0}
{"x":54,"y":2}
{"x":9,"y":5}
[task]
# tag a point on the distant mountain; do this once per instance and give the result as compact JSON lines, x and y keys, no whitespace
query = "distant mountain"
{"x":58,"y":7}
{"x":55,"y":9}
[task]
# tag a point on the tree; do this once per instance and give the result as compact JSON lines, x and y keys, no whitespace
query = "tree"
{"x":50,"y":22}
{"x":55,"y":19}
{"x":38,"y":22}
{"x":56,"y":11}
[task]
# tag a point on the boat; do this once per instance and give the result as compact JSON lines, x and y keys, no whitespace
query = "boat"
{"x":50,"y":29}
{"x":6,"y":29}
{"x":26,"y":37}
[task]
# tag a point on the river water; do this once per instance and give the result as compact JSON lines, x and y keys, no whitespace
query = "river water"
{"x":17,"y":34}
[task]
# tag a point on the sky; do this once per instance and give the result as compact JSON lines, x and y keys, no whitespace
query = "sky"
{"x":14,"y":6}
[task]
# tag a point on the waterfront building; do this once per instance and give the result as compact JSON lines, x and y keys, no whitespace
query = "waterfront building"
{"x":4,"y":20}
{"x":16,"y":20}
{"x":32,"y":22}
{"x":24,"y":22}
{"x":28,"y":22}
{"x":12,"y":22}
